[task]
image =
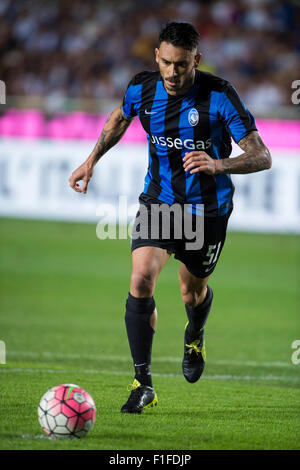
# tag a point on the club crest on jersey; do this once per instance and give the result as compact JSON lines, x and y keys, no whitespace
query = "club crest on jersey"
{"x":193,"y":117}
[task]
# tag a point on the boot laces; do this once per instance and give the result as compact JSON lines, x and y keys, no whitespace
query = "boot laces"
{"x":194,"y":346}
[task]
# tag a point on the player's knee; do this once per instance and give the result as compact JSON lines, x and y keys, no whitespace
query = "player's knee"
{"x":142,"y":284}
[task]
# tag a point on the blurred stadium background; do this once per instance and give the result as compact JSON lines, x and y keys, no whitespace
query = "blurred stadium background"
{"x":65,"y":65}
{"x":64,"y":56}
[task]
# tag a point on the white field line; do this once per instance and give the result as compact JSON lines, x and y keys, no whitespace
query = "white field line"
{"x":108,"y":372}
{"x":34,"y":436}
{"x":51,"y":355}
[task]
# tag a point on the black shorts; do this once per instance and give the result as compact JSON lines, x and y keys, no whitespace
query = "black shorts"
{"x":201,"y":261}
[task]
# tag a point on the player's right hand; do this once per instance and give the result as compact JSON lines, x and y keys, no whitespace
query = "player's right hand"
{"x":83,"y":173}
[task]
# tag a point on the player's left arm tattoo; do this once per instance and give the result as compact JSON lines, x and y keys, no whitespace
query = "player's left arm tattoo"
{"x":256,"y":157}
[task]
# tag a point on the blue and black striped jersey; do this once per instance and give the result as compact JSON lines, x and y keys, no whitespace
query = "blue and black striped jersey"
{"x":205,"y":118}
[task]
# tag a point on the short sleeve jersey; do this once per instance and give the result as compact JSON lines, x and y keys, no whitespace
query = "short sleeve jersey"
{"x":205,"y":118}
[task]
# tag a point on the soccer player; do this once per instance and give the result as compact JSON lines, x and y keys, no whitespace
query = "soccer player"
{"x":189,"y":117}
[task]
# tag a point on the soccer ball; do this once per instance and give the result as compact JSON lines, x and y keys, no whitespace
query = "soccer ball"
{"x":66,"y":411}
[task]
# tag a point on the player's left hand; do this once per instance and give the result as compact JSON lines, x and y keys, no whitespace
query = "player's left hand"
{"x":199,"y":161}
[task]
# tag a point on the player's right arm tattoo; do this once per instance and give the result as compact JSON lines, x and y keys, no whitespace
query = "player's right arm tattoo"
{"x":256,"y":157}
{"x":114,"y":128}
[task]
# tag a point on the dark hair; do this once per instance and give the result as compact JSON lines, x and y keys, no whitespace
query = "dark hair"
{"x":182,"y":35}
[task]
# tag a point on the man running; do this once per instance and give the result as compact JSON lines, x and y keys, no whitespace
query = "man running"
{"x":189,"y":117}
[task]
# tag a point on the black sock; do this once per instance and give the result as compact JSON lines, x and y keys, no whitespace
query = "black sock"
{"x":140,"y":335}
{"x":197,"y":316}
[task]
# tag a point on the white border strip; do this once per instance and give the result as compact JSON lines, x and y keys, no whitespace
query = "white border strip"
{"x":51,"y":355}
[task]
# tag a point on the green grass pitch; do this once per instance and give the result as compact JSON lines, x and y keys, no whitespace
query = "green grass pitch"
{"x":62,"y":296}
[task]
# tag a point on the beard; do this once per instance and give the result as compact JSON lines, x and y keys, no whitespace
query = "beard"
{"x":179,"y":84}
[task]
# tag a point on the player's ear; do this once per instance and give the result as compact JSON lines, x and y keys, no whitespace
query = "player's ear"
{"x":197,"y":59}
{"x":156,"y":55}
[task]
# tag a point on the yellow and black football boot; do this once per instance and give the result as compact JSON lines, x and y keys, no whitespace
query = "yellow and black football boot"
{"x":141,"y":397}
{"x":194,"y":355}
